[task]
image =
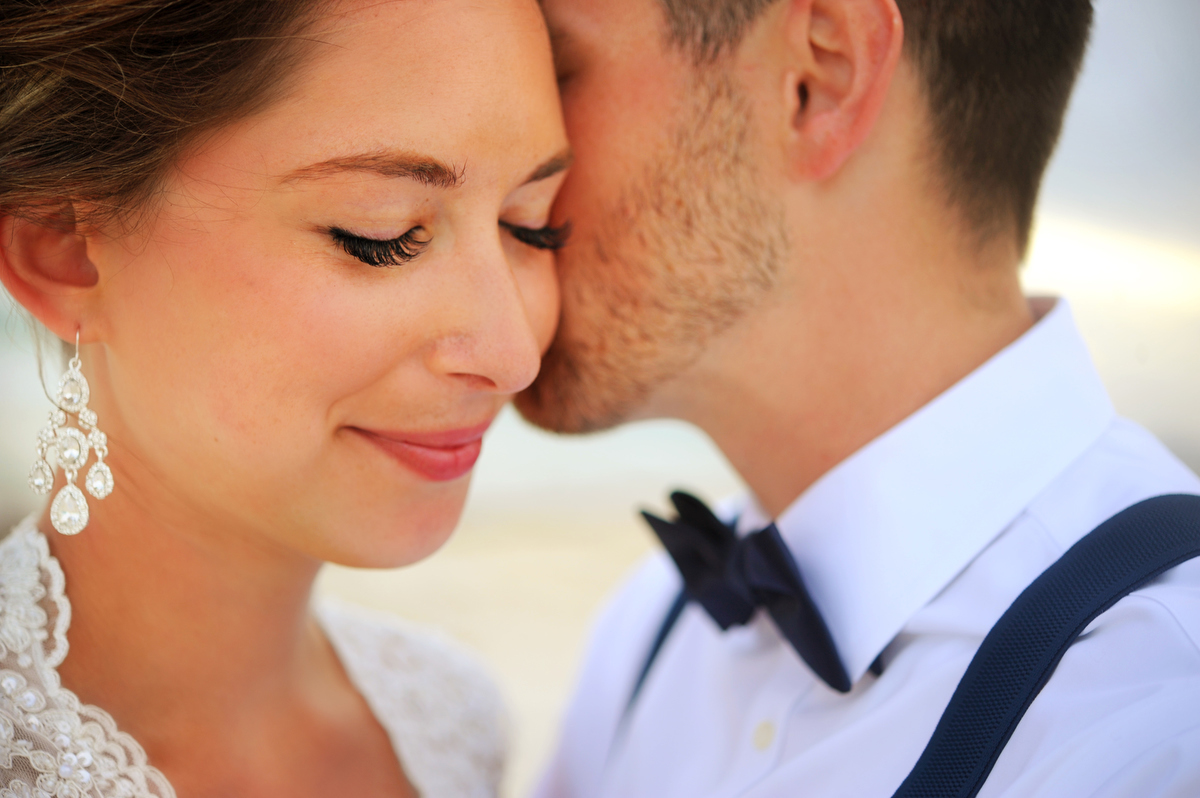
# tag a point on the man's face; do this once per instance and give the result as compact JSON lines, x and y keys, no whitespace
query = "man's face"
{"x":674,"y":238}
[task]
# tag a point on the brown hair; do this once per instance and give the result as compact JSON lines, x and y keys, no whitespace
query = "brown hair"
{"x":99,"y":97}
{"x":997,"y":76}
{"x":709,"y":28}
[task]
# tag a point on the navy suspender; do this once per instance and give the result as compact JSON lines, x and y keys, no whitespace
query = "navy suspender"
{"x":664,"y":631}
{"x":1022,"y":650}
{"x":1020,"y":653}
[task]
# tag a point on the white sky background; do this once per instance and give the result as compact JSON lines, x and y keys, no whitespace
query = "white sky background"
{"x":1129,"y":156}
{"x":550,"y":525}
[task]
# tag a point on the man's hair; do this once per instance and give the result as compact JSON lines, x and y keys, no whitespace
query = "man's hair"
{"x":708,"y":28}
{"x":997,"y":75}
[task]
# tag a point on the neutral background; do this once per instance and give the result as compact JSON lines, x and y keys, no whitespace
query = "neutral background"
{"x":551,"y":528}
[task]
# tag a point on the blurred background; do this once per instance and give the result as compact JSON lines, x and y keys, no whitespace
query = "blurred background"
{"x":551,"y":526}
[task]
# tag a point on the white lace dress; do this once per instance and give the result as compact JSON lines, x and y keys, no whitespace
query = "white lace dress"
{"x":443,"y":715}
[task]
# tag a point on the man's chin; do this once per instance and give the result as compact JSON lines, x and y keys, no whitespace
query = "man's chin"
{"x":531,"y":404}
{"x":561,"y":399}
{"x":547,"y":406}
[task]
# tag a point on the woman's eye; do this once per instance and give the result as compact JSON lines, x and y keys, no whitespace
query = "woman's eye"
{"x":544,"y":238}
{"x":381,"y":252}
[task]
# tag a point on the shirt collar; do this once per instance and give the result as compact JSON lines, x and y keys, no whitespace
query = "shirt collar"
{"x":883,"y":532}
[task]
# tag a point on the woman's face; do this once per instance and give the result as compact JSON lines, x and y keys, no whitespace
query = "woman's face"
{"x":337,"y":295}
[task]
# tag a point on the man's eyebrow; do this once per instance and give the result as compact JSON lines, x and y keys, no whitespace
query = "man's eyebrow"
{"x":550,"y":168}
{"x":422,"y":168}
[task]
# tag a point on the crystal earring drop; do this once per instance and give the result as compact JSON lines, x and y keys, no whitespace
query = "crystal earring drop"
{"x":70,"y":448}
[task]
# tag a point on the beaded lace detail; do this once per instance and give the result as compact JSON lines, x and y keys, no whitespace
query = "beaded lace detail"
{"x":444,"y":718}
{"x":51,"y":745}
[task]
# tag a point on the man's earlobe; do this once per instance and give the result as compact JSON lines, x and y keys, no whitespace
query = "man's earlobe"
{"x":843,"y":55}
{"x":45,"y":266}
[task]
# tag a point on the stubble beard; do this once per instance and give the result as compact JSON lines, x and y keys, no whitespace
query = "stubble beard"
{"x":692,"y":246}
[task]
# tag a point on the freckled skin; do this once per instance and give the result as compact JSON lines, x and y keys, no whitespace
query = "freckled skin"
{"x":242,"y":342}
{"x":235,"y":349}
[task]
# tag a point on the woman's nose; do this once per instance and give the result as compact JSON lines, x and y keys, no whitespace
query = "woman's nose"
{"x":493,"y":343}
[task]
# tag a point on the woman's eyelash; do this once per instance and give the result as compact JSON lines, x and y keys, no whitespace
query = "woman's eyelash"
{"x":377,"y":252}
{"x":552,"y":238}
{"x":395,"y":251}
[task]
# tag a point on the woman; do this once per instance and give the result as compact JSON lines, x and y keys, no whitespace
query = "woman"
{"x":305,"y":251}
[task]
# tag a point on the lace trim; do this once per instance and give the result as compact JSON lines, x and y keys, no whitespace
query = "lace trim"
{"x":444,"y":716}
{"x":51,"y":745}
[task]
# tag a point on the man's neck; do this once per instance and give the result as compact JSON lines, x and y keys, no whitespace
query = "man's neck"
{"x":843,"y":353}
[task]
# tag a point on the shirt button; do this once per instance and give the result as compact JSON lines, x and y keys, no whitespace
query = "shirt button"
{"x":764,"y":735}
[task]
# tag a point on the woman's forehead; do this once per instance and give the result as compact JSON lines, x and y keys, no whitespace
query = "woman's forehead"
{"x":457,"y":82}
{"x":442,"y":93}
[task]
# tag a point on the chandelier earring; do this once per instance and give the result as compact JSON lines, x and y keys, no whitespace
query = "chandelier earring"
{"x":69,"y":448}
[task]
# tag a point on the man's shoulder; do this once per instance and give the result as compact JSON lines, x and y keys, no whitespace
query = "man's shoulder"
{"x":635,"y":611}
{"x":1126,"y":465}
{"x":1126,"y":697}
{"x":1122,"y":711}
{"x":620,"y":641}
{"x":626,"y":627}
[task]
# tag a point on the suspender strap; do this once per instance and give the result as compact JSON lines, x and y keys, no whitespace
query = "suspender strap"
{"x":1022,"y":650}
{"x":664,"y":632}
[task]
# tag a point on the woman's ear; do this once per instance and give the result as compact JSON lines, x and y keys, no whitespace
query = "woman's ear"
{"x":44,"y":264}
{"x":841,"y":55}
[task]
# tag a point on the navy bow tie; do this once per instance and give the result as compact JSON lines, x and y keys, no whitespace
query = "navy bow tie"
{"x":731,"y":577}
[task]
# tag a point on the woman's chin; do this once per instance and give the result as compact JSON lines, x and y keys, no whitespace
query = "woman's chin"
{"x":394,"y":537}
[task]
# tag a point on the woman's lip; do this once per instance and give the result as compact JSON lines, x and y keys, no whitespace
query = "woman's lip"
{"x":439,"y":456}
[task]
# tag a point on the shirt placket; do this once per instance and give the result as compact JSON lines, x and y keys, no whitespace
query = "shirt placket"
{"x":764,"y":728}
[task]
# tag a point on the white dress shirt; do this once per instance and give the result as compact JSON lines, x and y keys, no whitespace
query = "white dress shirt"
{"x":912,"y":549}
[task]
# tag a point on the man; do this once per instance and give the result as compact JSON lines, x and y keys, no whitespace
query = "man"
{"x":798,"y":225}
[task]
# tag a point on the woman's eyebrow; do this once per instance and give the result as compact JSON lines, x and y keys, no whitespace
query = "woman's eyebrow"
{"x":550,"y":168}
{"x":424,"y":169}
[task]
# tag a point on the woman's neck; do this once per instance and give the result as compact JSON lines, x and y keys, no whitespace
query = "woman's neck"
{"x":198,"y":640}
{"x":212,"y":625}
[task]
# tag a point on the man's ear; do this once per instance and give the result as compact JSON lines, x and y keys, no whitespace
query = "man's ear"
{"x":841,"y":55}
{"x":44,"y":264}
